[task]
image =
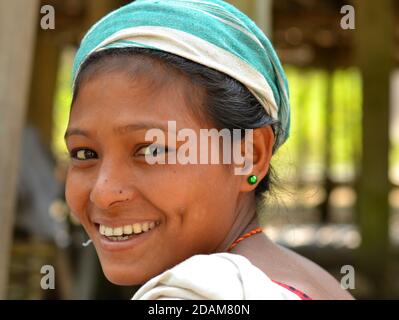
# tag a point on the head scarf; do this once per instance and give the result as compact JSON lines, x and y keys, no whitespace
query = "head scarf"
{"x":210,"y":32}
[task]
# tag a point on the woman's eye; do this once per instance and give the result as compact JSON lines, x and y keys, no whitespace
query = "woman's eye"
{"x":83,"y":154}
{"x":152,"y":150}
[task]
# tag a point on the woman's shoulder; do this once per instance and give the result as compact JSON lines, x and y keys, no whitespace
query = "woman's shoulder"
{"x":310,"y":277}
{"x":217,"y":276}
{"x":295,"y":271}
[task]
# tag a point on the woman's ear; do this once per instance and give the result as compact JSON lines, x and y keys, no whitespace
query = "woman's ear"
{"x":259,"y":156}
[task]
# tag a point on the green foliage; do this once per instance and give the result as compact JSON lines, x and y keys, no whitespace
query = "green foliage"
{"x":62,"y":104}
{"x":325,"y":125}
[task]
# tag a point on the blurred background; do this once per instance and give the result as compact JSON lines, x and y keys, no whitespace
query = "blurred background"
{"x":338,"y":203}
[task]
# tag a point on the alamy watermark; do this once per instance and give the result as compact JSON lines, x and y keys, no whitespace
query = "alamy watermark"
{"x":47,"y":21}
{"x":348,"y":19}
{"x":47,"y":282}
{"x":197,"y":149}
{"x":348,"y":280}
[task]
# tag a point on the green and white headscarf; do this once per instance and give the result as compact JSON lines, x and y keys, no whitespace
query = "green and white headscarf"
{"x":210,"y":32}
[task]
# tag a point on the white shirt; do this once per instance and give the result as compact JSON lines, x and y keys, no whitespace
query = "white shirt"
{"x":218,"y":276}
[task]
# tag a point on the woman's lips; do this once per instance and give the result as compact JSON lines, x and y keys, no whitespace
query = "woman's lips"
{"x":116,"y":239}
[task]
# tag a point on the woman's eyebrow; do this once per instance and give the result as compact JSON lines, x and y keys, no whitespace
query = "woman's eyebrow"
{"x":75,"y":131}
{"x":139,"y":126}
{"x":120,"y":129}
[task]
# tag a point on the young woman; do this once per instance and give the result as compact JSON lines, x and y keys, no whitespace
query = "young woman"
{"x":183,"y":229}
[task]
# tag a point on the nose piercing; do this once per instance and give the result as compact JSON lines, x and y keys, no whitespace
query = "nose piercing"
{"x":252,"y":179}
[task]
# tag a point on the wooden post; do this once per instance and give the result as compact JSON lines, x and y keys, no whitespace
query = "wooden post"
{"x":375,"y":47}
{"x":18,"y":24}
{"x":245,"y":6}
{"x":263,"y":16}
{"x":98,"y":9}
{"x":43,"y":88}
{"x":258,"y":10}
{"x":328,"y":122}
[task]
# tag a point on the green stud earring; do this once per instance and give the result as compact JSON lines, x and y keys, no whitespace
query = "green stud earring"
{"x":252,"y":179}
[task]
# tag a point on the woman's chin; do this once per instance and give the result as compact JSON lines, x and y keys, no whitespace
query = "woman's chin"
{"x":123,"y":279}
{"x":124,"y":276}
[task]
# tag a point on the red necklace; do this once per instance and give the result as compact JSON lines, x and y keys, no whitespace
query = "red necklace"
{"x":248,"y":234}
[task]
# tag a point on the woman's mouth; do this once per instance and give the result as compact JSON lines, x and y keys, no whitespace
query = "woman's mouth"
{"x":125,"y":232}
{"x":125,"y":236}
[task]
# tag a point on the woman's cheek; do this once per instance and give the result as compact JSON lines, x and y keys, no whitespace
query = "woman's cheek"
{"x":76,"y":194}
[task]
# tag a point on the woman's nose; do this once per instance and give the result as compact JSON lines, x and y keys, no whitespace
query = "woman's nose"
{"x":112,"y":187}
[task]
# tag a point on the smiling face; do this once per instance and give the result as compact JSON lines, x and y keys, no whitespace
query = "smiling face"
{"x":186,"y":209}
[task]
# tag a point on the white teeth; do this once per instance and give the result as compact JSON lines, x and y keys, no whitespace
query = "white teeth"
{"x":137,"y":228}
{"x":128,"y":229}
{"x":108,"y":231}
{"x":118,"y":232}
{"x":119,"y":238}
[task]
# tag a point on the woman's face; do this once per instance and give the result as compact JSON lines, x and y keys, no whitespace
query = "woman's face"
{"x":188,"y":209}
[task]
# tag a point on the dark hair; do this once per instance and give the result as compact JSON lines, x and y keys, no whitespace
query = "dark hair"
{"x":229,"y":104}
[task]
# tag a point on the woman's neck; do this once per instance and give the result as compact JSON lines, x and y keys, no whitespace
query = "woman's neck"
{"x":246,"y":220}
